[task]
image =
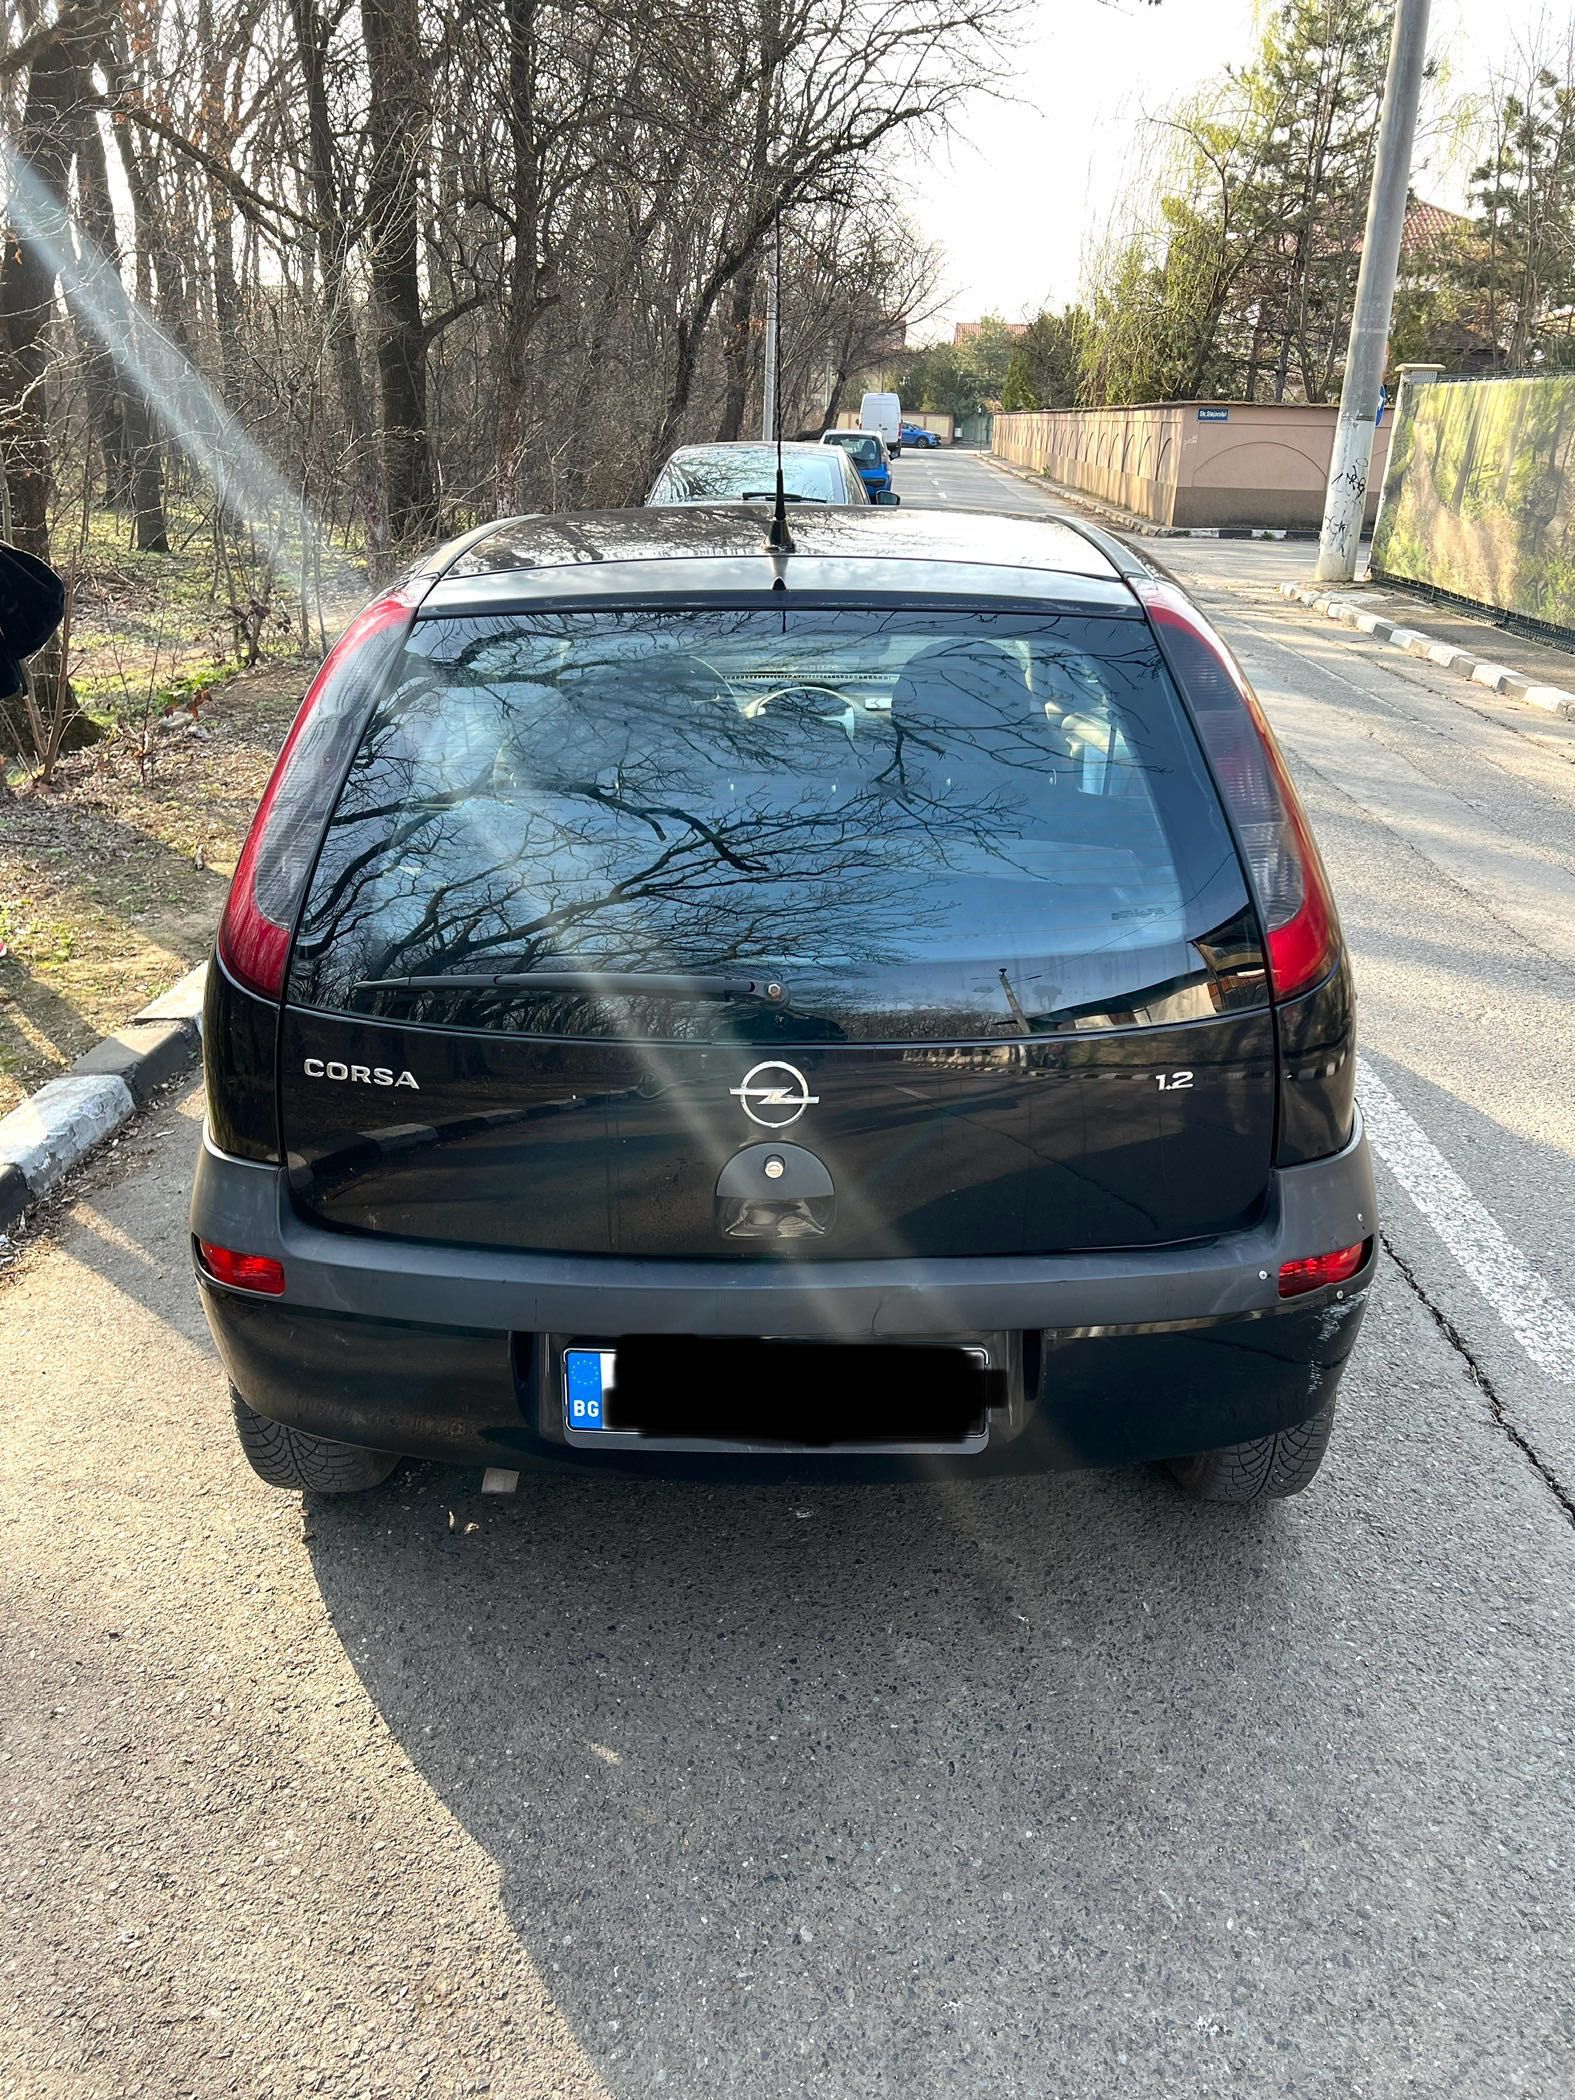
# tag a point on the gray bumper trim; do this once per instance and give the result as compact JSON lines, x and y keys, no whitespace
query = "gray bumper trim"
{"x":1311,"y":1209}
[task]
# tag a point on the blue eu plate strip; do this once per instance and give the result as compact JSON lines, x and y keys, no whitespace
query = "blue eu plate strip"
{"x":587,"y":1375}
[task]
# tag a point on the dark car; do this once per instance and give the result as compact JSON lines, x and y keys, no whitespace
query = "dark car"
{"x":867,"y":450}
{"x":916,"y":434}
{"x":907,"y":948}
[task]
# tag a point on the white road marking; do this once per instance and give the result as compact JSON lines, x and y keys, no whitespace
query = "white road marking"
{"x":1536,"y":1316}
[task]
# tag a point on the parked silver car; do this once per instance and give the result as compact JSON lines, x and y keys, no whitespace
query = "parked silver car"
{"x":747,"y":473}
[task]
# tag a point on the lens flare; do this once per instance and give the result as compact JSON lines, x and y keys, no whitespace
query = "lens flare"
{"x":246,"y":481}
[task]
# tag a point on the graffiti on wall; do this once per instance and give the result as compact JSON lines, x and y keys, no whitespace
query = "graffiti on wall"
{"x":1479,"y":496}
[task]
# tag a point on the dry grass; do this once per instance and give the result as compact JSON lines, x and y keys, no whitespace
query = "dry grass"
{"x":112,"y":879}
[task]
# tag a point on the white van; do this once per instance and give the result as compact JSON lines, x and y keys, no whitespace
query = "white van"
{"x":883,"y":412}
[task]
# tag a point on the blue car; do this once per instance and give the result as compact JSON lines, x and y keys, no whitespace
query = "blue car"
{"x":916,"y":434}
{"x":867,"y":450}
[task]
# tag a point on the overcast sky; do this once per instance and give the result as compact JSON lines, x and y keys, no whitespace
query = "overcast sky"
{"x":1025,"y":185}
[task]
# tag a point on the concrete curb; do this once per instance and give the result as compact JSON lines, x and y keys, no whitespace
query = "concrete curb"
{"x":1412,"y":641}
{"x":70,"y":1117}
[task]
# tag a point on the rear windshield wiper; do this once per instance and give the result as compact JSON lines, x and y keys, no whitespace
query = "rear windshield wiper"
{"x":651,"y":984}
{"x":770,"y":496}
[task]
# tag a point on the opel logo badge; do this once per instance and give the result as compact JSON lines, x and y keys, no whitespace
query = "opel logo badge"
{"x":774,"y":1094}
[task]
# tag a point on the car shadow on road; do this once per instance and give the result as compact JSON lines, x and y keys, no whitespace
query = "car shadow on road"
{"x":775,"y":1777}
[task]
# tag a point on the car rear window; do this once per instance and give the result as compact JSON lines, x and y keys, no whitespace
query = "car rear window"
{"x":923,"y":825}
{"x":745,"y":471}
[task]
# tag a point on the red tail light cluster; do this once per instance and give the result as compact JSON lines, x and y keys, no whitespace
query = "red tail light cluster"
{"x":271,"y":874}
{"x":243,"y":1272}
{"x":1292,"y":890}
{"x":1318,"y":1270}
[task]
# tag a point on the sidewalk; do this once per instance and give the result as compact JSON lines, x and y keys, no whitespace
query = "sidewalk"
{"x":1466,"y":644}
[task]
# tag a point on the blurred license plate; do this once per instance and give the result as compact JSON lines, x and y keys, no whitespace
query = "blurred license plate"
{"x":688,"y":1387}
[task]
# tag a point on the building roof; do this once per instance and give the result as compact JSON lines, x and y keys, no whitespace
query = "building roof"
{"x":965,"y":331}
{"x":1427,"y":226}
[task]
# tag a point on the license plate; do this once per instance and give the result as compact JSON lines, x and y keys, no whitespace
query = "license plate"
{"x":754,"y":1393}
{"x":587,"y":1375}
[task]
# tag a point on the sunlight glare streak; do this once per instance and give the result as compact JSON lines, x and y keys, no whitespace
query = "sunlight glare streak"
{"x":186,"y":407}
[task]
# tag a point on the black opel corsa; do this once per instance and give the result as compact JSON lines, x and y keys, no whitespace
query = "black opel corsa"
{"x":685,"y":1005}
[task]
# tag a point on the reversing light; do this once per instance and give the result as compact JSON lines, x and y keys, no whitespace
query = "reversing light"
{"x":265,"y":892}
{"x":1317,"y":1271}
{"x":243,"y":1272}
{"x":1299,"y":923}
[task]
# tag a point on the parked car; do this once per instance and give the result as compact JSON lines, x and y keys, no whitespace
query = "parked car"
{"x":908,"y":947}
{"x":747,"y":473}
{"x":867,"y":450}
{"x":883,"y":413}
{"x":917,"y":434}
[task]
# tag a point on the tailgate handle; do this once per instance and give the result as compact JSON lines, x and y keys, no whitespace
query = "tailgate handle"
{"x":775,"y":1192}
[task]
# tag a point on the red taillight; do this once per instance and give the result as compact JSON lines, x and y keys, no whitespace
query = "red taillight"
{"x":1293,"y":892}
{"x":1317,"y":1270}
{"x":243,"y":1272}
{"x":265,"y":892}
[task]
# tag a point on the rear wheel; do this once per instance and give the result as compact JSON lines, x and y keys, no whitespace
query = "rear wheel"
{"x":1264,"y":1469}
{"x":294,"y":1458}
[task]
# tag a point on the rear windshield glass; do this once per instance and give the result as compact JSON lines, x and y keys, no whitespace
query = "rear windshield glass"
{"x":745,"y":472}
{"x":938,"y":825}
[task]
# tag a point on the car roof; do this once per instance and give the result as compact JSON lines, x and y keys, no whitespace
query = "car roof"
{"x":720,"y":549}
{"x":746,"y":445}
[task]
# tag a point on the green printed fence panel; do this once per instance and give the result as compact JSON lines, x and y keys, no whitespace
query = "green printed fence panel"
{"x":1479,"y":494}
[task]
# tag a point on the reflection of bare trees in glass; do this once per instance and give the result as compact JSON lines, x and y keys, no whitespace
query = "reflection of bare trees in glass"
{"x":838,"y":799}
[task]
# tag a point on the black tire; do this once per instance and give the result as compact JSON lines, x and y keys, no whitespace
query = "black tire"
{"x":1265,"y":1469}
{"x":294,"y":1458}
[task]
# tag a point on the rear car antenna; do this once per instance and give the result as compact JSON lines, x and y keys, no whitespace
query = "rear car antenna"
{"x":781,"y":540}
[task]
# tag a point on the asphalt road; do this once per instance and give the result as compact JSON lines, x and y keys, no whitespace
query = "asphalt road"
{"x":1064,"y":1787}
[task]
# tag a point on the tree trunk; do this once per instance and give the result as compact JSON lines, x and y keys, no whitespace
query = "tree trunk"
{"x":221,"y":211}
{"x":332,"y":251}
{"x":396,"y":135}
{"x":834,"y":398}
{"x":741,"y":306}
{"x":160,"y":280}
{"x":128,"y":423}
{"x":226,"y":293}
{"x":525,"y":303}
{"x":759,"y":189}
{"x":1254,"y":358}
{"x":737,"y":342}
{"x":96,"y":254}
{"x":142,"y":435}
{"x":58,"y":86}
{"x":55,"y":90}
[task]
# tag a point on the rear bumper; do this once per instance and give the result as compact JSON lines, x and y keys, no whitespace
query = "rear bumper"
{"x":452,"y":1353}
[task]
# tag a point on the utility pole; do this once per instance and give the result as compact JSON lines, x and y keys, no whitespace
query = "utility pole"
{"x":769,"y":390}
{"x":1351,"y":459}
